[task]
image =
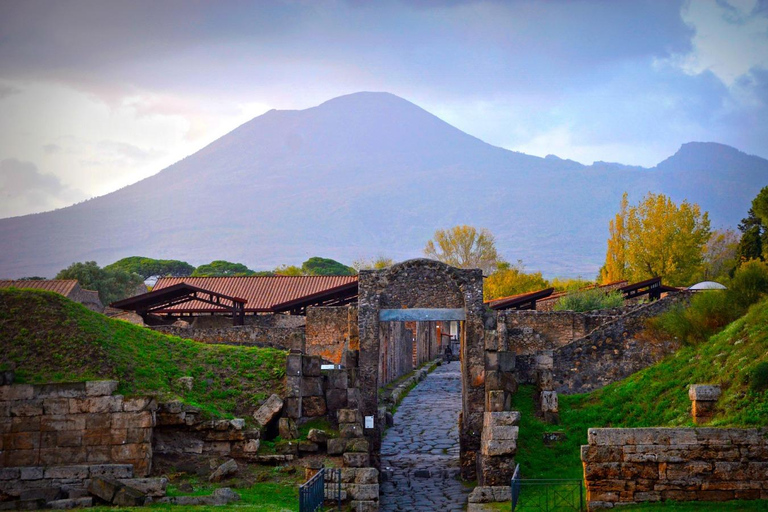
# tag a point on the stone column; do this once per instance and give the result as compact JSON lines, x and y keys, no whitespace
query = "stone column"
{"x":703,"y":399}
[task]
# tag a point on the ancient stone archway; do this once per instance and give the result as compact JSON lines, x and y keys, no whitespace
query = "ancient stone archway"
{"x":440,"y":292}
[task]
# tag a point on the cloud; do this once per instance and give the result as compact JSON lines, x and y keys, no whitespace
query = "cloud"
{"x":24,"y":189}
{"x":7,"y":90}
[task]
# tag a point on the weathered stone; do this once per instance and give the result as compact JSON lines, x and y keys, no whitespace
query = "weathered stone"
{"x":237,"y":423}
{"x":505,"y":418}
{"x":291,"y":408}
{"x":317,"y":436}
{"x":127,"y":496}
{"x":499,"y":447}
{"x":30,"y":473}
{"x":223,"y":496}
{"x":101,"y":387}
{"x":350,"y":430}
{"x":67,"y":504}
{"x":704,"y":392}
{"x":308,"y":446}
{"x":337,"y":446}
{"x":498,"y":401}
{"x":251,"y":446}
{"x":311,"y":386}
{"x":67,"y":472}
{"x":154,"y":487}
{"x":185,"y":383}
{"x":364,"y":506}
{"x":267,"y":412}
{"x":287,"y":429}
{"x":293,"y":365}
{"x":113,"y":471}
{"x":356,"y":460}
{"x":310,"y":366}
{"x":104,"y":488}
{"x":227,"y":469}
{"x":17,"y":392}
{"x":349,"y":416}
{"x":365,"y":492}
{"x":313,"y":406}
{"x":336,"y":399}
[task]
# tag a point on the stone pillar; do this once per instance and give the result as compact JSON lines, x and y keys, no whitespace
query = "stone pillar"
{"x":703,"y":399}
{"x":498,"y":446}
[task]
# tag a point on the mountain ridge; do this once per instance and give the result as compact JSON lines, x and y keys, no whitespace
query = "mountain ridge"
{"x":367,"y":174}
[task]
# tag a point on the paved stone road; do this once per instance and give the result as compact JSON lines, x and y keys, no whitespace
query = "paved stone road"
{"x":422,"y":449}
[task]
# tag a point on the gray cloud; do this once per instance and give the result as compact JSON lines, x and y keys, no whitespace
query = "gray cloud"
{"x":25,"y":189}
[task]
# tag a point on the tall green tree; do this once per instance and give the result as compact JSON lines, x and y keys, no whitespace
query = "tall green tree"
{"x":658,"y":238}
{"x":222,"y":268}
{"x":464,"y":247}
{"x":150,"y":267}
{"x":317,"y":266}
{"x":112,"y":285}
{"x":754,"y":229}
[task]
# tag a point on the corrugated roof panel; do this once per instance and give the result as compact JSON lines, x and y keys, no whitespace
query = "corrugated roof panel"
{"x":61,"y":286}
{"x":261,"y":292}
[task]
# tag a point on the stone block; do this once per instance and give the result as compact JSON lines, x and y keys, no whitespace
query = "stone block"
{"x":292,"y":408}
{"x":356,"y":460}
{"x":313,"y":406}
{"x":19,"y":457}
{"x":364,"y":506}
{"x":130,"y":452}
{"x":349,"y":416}
{"x":359,"y":444}
{"x":499,"y":447}
{"x":308,"y":447}
{"x":32,"y":407}
{"x":317,"y":436}
{"x":506,"y":418}
{"x":293,"y":365}
{"x":353,"y":398}
{"x":498,"y":401}
{"x":113,"y":471}
{"x":337,"y":446}
{"x":287,"y":429}
{"x":10,"y":473}
{"x":95,"y":422}
{"x":544,"y":360}
{"x":17,"y":392}
{"x":704,"y":392}
{"x":71,"y":503}
{"x":549,"y":401}
{"x":25,"y":424}
{"x":336,"y":399}
{"x":506,"y":361}
{"x":139,"y":404}
{"x":268,"y":411}
{"x":101,"y":387}
{"x":350,"y":430}
{"x":494,"y":471}
{"x":237,"y":423}
{"x":311,"y":386}
{"x":104,"y":488}
{"x":366,"y":476}
{"x":31,"y":473}
{"x":337,"y":379}
{"x":310,"y":366}
{"x":366,"y":492}
{"x":500,"y":432}
{"x":63,"y":390}
{"x":491,"y":361}
{"x":227,"y":469}
{"x":21,"y":441}
{"x":67,"y":472}
{"x":129,"y":497}
{"x":55,"y":406}
{"x":62,"y":422}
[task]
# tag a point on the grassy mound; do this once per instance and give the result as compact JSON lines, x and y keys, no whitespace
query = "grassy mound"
{"x":48,"y":338}
{"x":656,"y":396}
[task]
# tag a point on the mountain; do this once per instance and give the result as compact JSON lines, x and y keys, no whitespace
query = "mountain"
{"x":363,"y":175}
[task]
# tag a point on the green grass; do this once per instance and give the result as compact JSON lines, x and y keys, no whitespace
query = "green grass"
{"x":692,"y":506}
{"x":48,"y":338}
{"x":656,"y":396}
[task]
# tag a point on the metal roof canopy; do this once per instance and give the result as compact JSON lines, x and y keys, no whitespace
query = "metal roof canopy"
{"x":158,"y":300}
{"x":338,"y":296}
{"x":520,"y":302}
{"x":651,"y":287}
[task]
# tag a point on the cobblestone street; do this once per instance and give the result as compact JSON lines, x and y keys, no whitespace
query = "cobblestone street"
{"x":420,"y":454}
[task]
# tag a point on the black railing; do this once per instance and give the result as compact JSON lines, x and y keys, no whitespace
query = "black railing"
{"x":313,"y":493}
{"x":546,"y":495}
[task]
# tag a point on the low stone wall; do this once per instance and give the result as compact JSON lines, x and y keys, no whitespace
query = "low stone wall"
{"x":181,"y":433}
{"x":75,"y":423}
{"x":258,"y":335}
{"x":611,"y":352}
{"x":623,"y":466}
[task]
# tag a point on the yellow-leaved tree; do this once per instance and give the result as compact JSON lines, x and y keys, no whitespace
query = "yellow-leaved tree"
{"x":656,"y":238}
{"x":464,"y":247}
{"x":511,"y":280}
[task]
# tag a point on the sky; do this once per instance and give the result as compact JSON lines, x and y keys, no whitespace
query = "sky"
{"x":96,"y":95}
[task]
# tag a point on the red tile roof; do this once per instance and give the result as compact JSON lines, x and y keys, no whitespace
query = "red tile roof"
{"x":62,"y":286}
{"x":261,"y":292}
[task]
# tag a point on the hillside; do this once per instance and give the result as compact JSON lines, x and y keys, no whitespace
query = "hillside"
{"x":48,"y":338}
{"x":656,"y":396}
{"x":362,"y":175}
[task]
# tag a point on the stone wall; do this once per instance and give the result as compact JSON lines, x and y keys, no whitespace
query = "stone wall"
{"x":612,"y":352}
{"x":528,"y":332}
{"x":277,"y":331}
{"x":330,"y":331}
{"x":76,"y":423}
{"x":181,"y":433}
{"x":623,"y":466}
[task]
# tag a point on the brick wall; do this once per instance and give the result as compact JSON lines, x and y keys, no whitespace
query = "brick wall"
{"x":330,"y":331}
{"x":681,"y":464}
{"x":77,"y":423}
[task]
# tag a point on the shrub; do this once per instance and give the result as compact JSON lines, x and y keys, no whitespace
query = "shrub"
{"x":708,"y":313}
{"x":589,"y":300}
{"x":749,"y":283}
{"x":758,"y":378}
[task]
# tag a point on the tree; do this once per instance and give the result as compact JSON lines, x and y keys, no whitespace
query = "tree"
{"x":656,"y":238}
{"x":464,"y":247}
{"x":289,"y":270}
{"x":221,"y":268}
{"x":510,"y":280}
{"x":377,"y":263}
{"x":149,"y":267}
{"x":720,"y":255}
{"x":112,"y":285}
{"x":317,"y":266}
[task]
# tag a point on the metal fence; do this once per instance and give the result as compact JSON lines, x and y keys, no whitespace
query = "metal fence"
{"x":313,"y":493}
{"x":546,"y":495}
